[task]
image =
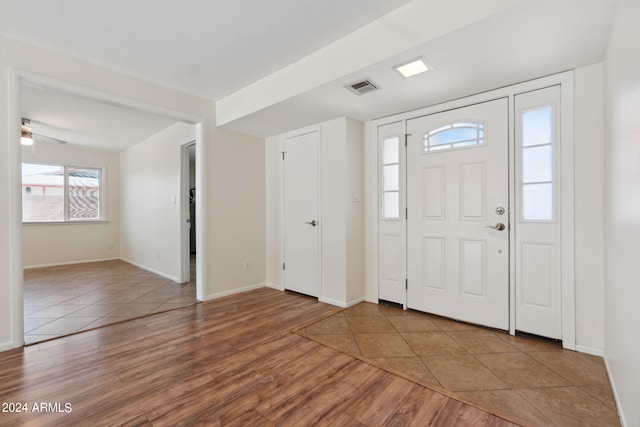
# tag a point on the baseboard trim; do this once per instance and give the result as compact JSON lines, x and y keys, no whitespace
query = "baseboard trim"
{"x":57,"y":264}
{"x":623,"y":421}
{"x":589,"y":350}
{"x":355,"y":301}
{"x":330,"y":301}
{"x":152,"y":270}
{"x":369,"y":299}
{"x":274,"y":286}
{"x":8,"y":345}
{"x":341,"y":303}
{"x":235,"y":291}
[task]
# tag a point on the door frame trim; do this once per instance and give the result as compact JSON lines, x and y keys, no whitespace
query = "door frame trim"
{"x":185,"y":232}
{"x":16,"y":77}
{"x":565,"y":81}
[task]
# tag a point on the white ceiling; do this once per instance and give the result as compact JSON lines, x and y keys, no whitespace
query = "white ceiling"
{"x":215,"y":48}
{"x":209,"y":48}
{"x":532,"y":39}
{"x":86,"y":122}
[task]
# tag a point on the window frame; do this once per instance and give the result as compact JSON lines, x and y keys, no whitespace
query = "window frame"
{"x":479,"y":141}
{"x":66,"y":167}
{"x":554,"y":149}
{"x":383,"y":192}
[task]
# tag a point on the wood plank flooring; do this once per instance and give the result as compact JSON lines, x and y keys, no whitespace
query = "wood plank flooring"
{"x":232,"y":361}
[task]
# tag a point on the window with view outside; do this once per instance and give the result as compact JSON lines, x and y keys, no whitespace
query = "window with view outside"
{"x":391,"y":178}
{"x":57,"y":193}
{"x":537,"y":164}
{"x":454,"y":135}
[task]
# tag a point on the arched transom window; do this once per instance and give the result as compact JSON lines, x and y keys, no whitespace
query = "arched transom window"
{"x":454,"y":135}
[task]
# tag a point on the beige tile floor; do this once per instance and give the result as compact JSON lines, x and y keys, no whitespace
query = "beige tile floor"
{"x":67,"y":299}
{"x":535,"y":381}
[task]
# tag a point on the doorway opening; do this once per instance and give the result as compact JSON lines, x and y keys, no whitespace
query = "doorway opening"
{"x":84,"y":273}
{"x":423,"y":263}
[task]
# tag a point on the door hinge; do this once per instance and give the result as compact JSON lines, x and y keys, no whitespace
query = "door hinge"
{"x":406,"y":137}
{"x":406,"y":213}
{"x":283,"y":265}
{"x":406,"y":284}
{"x":283,"y":153}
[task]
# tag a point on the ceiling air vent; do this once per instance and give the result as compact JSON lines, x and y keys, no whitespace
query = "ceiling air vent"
{"x":362,"y":87}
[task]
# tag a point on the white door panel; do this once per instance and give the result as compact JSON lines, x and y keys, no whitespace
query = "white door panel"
{"x":301,"y":222}
{"x":456,"y":182}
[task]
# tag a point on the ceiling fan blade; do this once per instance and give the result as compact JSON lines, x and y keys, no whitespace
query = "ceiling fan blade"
{"x":56,"y":140}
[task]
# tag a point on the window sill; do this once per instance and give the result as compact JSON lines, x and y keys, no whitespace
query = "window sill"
{"x":86,"y":222}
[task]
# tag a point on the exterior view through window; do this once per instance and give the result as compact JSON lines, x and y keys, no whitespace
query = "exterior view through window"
{"x":454,"y":135}
{"x":537,"y":164}
{"x":391,"y":178}
{"x":57,"y":193}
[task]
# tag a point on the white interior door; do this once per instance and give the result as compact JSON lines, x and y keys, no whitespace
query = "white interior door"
{"x":457,"y":189}
{"x":301,"y":222}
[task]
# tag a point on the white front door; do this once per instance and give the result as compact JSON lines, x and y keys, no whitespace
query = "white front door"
{"x":458,"y":220}
{"x":301,"y":225}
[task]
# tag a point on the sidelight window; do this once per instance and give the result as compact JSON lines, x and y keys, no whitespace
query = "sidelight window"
{"x":391,"y":178}
{"x":537,"y":164}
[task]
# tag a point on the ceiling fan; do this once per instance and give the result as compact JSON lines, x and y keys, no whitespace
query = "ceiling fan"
{"x":28,"y":135}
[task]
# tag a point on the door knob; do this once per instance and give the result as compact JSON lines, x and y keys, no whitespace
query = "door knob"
{"x":499,"y":226}
{"x":313,"y":223}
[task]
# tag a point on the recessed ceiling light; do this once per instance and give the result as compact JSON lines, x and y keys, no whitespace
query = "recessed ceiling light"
{"x":413,"y":68}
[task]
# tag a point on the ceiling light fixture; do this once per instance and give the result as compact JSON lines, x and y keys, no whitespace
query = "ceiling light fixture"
{"x":412,"y":68}
{"x":27,"y":137}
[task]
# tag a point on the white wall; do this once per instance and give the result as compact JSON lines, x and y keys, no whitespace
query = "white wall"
{"x":235,"y":212}
{"x":333,"y":212}
{"x":341,"y":216}
{"x":588,"y":170}
{"x":232,"y":165}
{"x":354,"y":195}
{"x":622,"y":209}
{"x":150,"y":201}
{"x":51,"y":244}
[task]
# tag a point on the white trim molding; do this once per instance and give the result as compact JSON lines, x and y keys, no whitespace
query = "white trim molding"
{"x":235,"y":291}
{"x":16,"y":77}
{"x":616,"y":395}
{"x":86,"y":261}
{"x":333,"y":302}
{"x":151,"y":270}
